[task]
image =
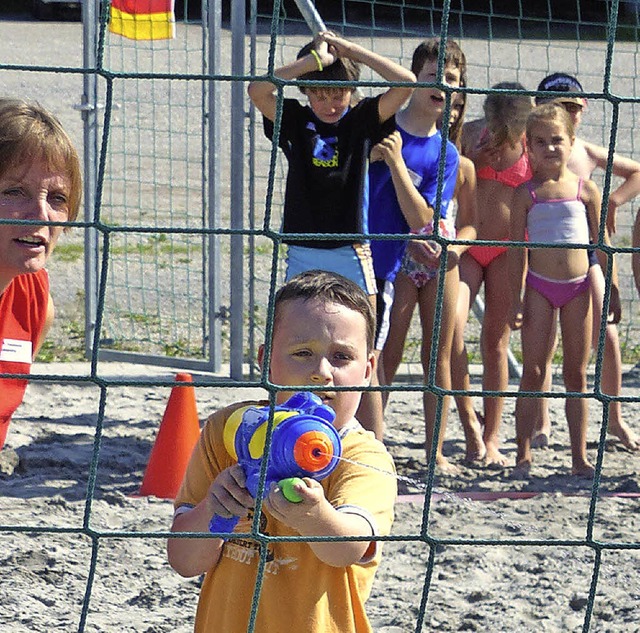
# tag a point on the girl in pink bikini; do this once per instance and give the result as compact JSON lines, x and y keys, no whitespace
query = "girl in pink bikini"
{"x":554,"y":207}
{"x":501,"y":161}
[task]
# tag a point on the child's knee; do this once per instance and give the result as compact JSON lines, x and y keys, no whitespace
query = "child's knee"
{"x":574,"y":379}
{"x":533,"y":376}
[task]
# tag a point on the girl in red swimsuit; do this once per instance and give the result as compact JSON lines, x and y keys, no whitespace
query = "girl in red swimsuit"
{"x":501,"y":161}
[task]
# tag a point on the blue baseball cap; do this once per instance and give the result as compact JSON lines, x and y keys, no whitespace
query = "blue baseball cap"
{"x":561,"y":82}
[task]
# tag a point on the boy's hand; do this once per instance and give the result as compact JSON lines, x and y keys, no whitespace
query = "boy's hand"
{"x":389,"y":149}
{"x":425,"y":252}
{"x":299,"y":516}
{"x":337,"y":46}
{"x":228,"y":494}
{"x":326,"y":55}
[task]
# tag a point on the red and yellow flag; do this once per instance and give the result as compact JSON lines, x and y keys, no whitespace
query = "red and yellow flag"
{"x":143,"y":19}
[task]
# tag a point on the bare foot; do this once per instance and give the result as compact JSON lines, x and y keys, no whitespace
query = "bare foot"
{"x":445,"y":467}
{"x":494,"y":458}
{"x":540,"y":439}
{"x":522,"y":470}
{"x":583,"y":469}
{"x":476,"y":450}
{"x":621,"y":430}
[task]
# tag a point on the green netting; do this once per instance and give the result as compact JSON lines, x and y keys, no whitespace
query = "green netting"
{"x":152,"y":227}
{"x":155,"y":160}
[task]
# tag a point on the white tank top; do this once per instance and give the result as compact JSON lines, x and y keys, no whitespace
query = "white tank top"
{"x":561,"y":221}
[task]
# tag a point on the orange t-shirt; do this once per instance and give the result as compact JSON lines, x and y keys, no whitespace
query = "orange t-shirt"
{"x":23,"y":312}
{"x":299,"y":592}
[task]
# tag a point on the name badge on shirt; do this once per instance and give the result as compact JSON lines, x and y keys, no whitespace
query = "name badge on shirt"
{"x":15,"y":351}
{"x":416,"y":179}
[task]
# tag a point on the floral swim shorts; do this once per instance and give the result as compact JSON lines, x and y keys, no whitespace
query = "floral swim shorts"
{"x":421,"y":274}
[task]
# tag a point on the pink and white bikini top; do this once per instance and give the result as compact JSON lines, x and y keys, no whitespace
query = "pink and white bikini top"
{"x":561,"y":221}
{"x":512,"y":176}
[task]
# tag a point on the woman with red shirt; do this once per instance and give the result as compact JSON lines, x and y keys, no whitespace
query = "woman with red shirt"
{"x":40,"y":181}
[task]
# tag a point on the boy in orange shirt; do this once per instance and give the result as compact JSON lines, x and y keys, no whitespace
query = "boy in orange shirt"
{"x":323,"y":338}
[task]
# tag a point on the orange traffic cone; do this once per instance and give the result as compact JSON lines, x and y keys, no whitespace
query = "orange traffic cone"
{"x":178,"y":434}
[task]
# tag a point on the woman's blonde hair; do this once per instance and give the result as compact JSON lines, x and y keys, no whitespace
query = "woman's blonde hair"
{"x":28,"y":132}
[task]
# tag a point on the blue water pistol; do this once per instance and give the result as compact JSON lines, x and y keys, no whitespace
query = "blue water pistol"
{"x":304,"y":443}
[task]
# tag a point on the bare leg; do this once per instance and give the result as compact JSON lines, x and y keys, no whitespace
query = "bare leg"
{"x":427,"y":302}
{"x":635,"y":257}
{"x":575,"y":321}
{"x":470,"y":280}
{"x":611,"y":375}
{"x":405,"y":297}
{"x":495,"y":342}
{"x":370,"y":412}
{"x":539,"y":322}
{"x":542,"y":429}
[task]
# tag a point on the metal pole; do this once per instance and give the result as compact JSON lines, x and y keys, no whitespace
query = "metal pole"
{"x":238,"y":21}
{"x":89,"y":113}
{"x":214,"y":20}
{"x":252,"y":196}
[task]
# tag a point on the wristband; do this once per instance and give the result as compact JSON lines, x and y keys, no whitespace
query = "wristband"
{"x":317,"y":58}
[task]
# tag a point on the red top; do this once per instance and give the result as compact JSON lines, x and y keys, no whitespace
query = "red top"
{"x":512,"y":176}
{"x":23,"y":312}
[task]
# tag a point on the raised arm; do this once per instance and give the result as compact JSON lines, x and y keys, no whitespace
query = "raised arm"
{"x":47,"y":326}
{"x":392,"y":100}
{"x":263,"y":93}
{"x":623,"y":167}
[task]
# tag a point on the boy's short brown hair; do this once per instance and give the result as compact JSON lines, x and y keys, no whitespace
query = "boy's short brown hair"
{"x":331,"y":288}
{"x":27,"y":132}
{"x":429,"y":51}
{"x":342,"y":69}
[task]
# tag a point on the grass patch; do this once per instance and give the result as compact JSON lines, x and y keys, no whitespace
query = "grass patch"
{"x":157,"y":245}
{"x":72,"y":350}
{"x":181,"y":348}
{"x":69,"y":252}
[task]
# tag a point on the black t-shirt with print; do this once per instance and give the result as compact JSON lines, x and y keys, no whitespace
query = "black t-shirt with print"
{"x":327,"y":184}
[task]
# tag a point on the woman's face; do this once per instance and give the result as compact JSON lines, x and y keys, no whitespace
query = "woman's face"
{"x":37,"y":193}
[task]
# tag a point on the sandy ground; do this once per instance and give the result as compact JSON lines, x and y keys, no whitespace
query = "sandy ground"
{"x":502,"y":564}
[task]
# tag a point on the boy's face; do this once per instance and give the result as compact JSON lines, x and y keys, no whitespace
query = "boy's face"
{"x":433,"y":99}
{"x":323,"y":345}
{"x":574,"y":109}
{"x":329,"y":104}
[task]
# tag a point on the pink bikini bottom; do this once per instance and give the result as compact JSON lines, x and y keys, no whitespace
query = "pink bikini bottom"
{"x":556,"y":291}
